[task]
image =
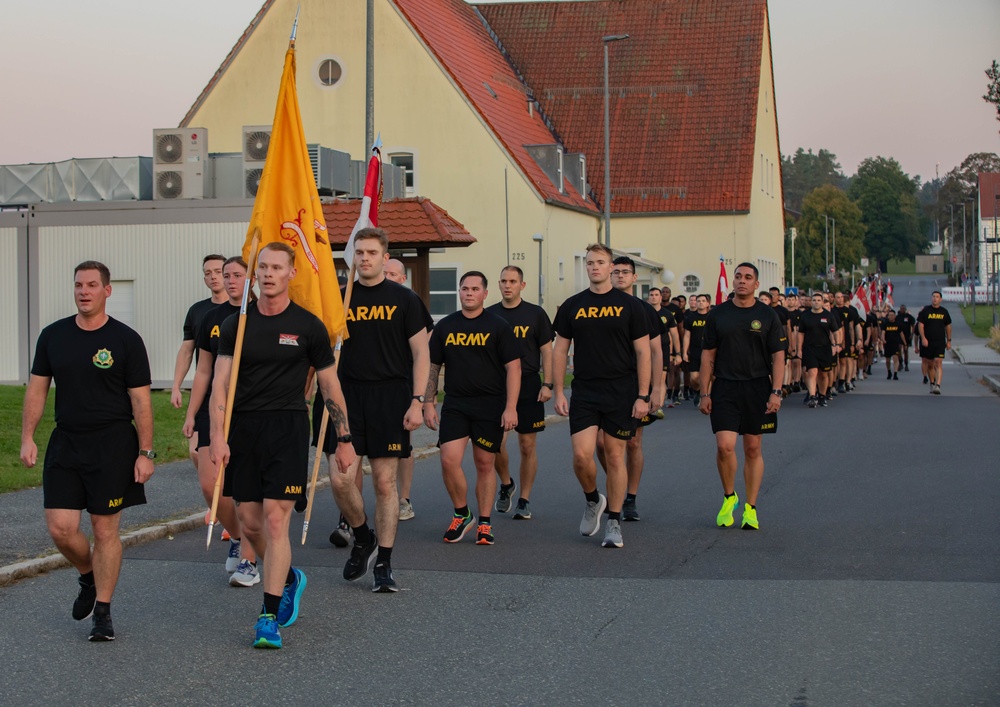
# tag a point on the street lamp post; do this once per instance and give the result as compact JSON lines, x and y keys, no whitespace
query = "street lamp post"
{"x":826,"y":221}
{"x":835,"y":248}
{"x":607,"y":140}
{"x":970,"y":260}
{"x":538,"y":238}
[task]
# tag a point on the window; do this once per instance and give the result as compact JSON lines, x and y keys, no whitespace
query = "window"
{"x":443,"y":291}
{"x":329,"y":72}
{"x":691,"y":283}
{"x":404,"y":160}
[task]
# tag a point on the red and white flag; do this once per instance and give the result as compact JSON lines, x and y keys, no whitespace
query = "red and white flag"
{"x":722,"y":289}
{"x":860,"y":301}
{"x":371,"y":201}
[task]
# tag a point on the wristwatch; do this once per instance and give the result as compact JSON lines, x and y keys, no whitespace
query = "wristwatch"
{"x":550,"y":386}
{"x":344,"y":439}
{"x":643,"y":398}
{"x":776,"y":391}
{"x":148,"y":453}
{"x":419,"y":398}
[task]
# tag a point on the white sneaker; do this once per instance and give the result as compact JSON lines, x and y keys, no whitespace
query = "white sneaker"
{"x":613,"y":534}
{"x":246,"y":575}
{"x":405,"y":510}
{"x":233,"y":561}
{"x":591,"y":522}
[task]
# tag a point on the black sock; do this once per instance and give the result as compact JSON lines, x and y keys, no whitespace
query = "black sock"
{"x":384,"y":554}
{"x":507,"y":486}
{"x":753,"y":506}
{"x":102,"y":608}
{"x":271,"y":604}
{"x":484,"y":519}
{"x":407,"y":500}
{"x":730,"y":495}
{"x":615,"y":515}
{"x":363,"y":534}
{"x":593,"y":496}
{"x":462,"y":512}
{"x":630,"y":498}
{"x":88,"y":578}
{"x":290,"y":577}
{"x":522,"y":501}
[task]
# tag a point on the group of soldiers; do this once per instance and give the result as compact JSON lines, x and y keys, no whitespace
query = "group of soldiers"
{"x":501,"y":363}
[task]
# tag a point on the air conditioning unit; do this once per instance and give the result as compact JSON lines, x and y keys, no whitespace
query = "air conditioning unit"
{"x":179,"y":163}
{"x":256,"y":140}
{"x":331,"y":170}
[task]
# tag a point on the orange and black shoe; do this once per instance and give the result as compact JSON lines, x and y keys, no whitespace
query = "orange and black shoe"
{"x":484,"y":534}
{"x":459,"y":527}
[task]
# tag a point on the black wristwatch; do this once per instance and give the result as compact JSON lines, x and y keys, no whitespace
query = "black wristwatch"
{"x":419,"y":398}
{"x":550,"y":386}
{"x":776,"y":391}
{"x":344,"y":439}
{"x":643,"y":398}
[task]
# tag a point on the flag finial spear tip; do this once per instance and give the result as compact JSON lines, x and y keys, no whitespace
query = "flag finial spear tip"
{"x":295,"y":26}
{"x":378,"y":142}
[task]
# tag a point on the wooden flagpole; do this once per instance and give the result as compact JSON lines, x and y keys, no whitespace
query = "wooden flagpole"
{"x":233,"y":376}
{"x":325,"y":419}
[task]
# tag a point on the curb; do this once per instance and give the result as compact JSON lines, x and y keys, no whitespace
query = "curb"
{"x":32,"y":568}
{"x":993,"y":382}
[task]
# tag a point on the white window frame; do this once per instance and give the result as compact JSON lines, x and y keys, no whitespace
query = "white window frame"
{"x":457,"y":267}
{"x":343,"y":72}
{"x":410,"y":190}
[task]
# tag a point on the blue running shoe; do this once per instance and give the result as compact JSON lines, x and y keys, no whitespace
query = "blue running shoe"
{"x":266,"y":633}
{"x":288,"y":610}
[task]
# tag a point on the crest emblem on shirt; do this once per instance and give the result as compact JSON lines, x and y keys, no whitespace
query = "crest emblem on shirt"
{"x":288,"y":339}
{"x":103,"y":359}
{"x":755,"y":325}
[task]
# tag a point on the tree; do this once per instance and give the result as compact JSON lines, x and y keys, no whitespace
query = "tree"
{"x":993,"y":86}
{"x":887,"y":197}
{"x":960,"y":187}
{"x":811,"y":243}
{"x":804,"y":171}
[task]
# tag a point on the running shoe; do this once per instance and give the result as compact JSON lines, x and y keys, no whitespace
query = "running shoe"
{"x":658,"y":413}
{"x":613,"y":534}
{"x":233,"y":561}
{"x":591,"y":522}
{"x":383,"y":582}
{"x":361,"y":560}
{"x":246,"y":575}
{"x":841,"y":388}
{"x":266,"y":634}
{"x":895,"y":376}
{"x":406,"y":510}
{"x":459,"y":527}
{"x":102,"y":630}
{"x":749,"y":518}
{"x":225,"y":535}
{"x":697,"y":399}
{"x":504,"y":499}
{"x":341,"y":536}
{"x":523,"y":511}
{"x":629,"y":511}
{"x":906,"y":367}
{"x":824,"y":401}
{"x":888,"y":377}
{"x":925,"y":380}
{"x":484,"y":534}
{"x":83,"y":606}
{"x":936,"y":389}
{"x":288,"y":610}
{"x":832,"y":393}
{"x":725,"y":517}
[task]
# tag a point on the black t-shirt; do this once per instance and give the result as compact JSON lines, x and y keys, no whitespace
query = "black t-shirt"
{"x":844,"y":316}
{"x":277,"y":353}
{"x":93,"y":371}
{"x":795,"y":316}
{"x":380,"y":320}
{"x":782,"y":312}
{"x":474,"y":353}
{"x":677,"y":312}
{"x":657,"y":327}
{"x":744,"y":339}
{"x":816,"y":327}
{"x":694,"y":323}
{"x":873,"y":322}
{"x":669,"y":321}
{"x":208,"y":340}
{"x":906,"y":323}
{"x":893,"y":334}
{"x":603,"y":328}
{"x":532,"y":329}
{"x":192,"y":322}
{"x":934,"y":319}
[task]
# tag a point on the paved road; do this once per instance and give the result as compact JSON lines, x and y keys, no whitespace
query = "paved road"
{"x":875,"y":580}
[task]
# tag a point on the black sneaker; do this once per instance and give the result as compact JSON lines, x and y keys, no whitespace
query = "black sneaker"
{"x":823,"y":401}
{"x":523,"y":510}
{"x":85,"y":600}
{"x":361,"y":560}
{"x":895,"y":376}
{"x":102,"y":629}
{"x":812,"y":401}
{"x":888,"y":377}
{"x":629,"y":511}
{"x":504,"y":498}
{"x":841,"y":388}
{"x":925,"y":380}
{"x":341,"y":535}
{"x":383,"y":582}
{"x":906,"y":367}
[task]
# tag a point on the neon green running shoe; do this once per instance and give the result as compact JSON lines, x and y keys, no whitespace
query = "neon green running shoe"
{"x":725,"y":517}
{"x":749,"y":518}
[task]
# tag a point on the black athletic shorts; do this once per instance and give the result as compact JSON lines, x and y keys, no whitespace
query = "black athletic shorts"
{"x":269,"y":455}
{"x":606,"y":404}
{"x":475,"y":418}
{"x":934,"y":349}
{"x":693,"y":364}
{"x":817,"y":358}
{"x":375,"y":413}
{"x":891,"y":351}
{"x":92,"y":470}
{"x":738,"y":406}
{"x":530,"y":412}
{"x":203,"y":429}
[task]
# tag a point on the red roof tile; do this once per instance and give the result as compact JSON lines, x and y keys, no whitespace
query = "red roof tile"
{"x":456,"y":35}
{"x":417,"y":221}
{"x":683,"y":96}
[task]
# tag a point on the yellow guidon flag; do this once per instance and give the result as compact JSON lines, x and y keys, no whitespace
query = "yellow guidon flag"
{"x":287,"y":210}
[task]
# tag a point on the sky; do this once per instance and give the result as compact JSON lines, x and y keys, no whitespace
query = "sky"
{"x":860,"y":78}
